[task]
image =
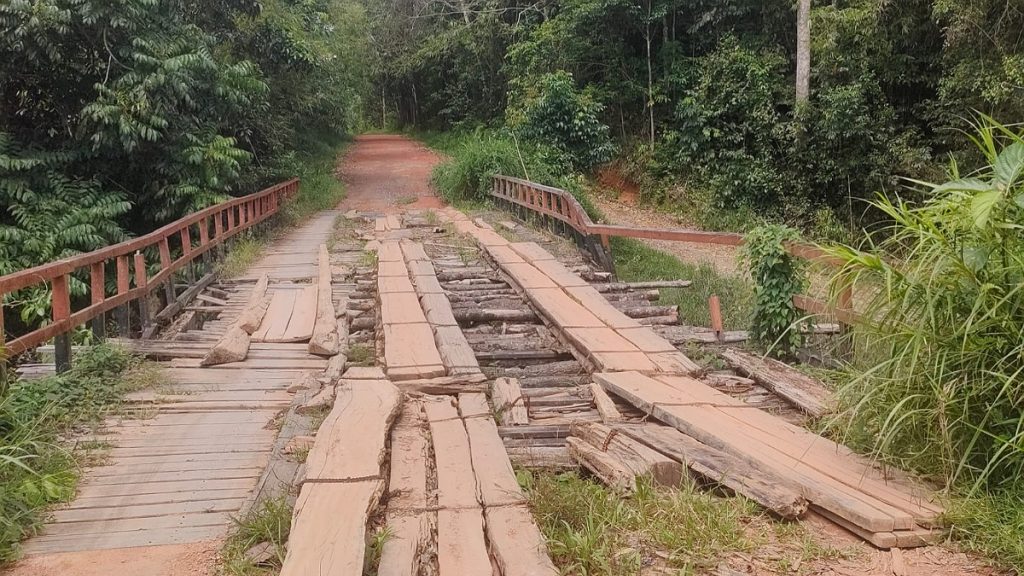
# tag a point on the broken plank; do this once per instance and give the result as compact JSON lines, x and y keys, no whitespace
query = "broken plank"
{"x":804,"y":392}
{"x":509,"y":403}
{"x":362,"y":409}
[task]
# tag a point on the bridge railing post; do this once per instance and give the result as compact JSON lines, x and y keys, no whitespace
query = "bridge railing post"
{"x":60,"y":304}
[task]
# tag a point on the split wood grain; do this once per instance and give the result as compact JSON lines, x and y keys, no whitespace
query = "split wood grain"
{"x":613,"y":472}
{"x":509,"y":403}
{"x":233,"y":346}
{"x":637,"y":457}
{"x":516,"y":543}
{"x":363,"y":409}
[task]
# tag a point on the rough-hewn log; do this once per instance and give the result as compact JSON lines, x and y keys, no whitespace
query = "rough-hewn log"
{"x":604,"y":404}
{"x":804,"y":392}
{"x":623,"y":286}
{"x":250,"y":318}
{"x":493,"y":315}
{"x":232,"y":347}
{"x":605,"y":466}
{"x":637,"y":457}
{"x":324,"y":341}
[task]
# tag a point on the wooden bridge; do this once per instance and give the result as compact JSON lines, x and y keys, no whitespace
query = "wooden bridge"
{"x":400,"y":389}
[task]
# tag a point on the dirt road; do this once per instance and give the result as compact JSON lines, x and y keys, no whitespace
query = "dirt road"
{"x":388,"y":173}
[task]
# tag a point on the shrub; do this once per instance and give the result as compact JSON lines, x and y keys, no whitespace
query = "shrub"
{"x":937,"y":385}
{"x":778,"y":276}
{"x":556,"y":114}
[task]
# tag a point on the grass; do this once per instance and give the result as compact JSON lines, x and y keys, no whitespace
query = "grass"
{"x":991,"y":525}
{"x":36,"y":470}
{"x":635,"y":261}
{"x":592,"y":530}
{"x":360,"y":353}
{"x":269,"y":521}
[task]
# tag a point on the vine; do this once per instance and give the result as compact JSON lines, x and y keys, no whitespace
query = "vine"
{"x":778,"y":276}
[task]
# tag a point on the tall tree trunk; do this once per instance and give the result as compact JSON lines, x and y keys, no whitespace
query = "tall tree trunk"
{"x":803,"y":51}
{"x":650,"y":73}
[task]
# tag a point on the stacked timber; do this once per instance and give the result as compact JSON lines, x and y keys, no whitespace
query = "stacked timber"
{"x":888,"y":511}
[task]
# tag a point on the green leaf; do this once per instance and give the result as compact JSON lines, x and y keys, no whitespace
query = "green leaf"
{"x":1009,"y":164}
{"x":982,"y":206}
{"x":963,"y":185}
{"x":975,"y":257}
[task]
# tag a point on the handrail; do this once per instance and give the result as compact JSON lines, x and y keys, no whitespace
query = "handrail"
{"x":561,"y":205}
{"x":228,"y":218}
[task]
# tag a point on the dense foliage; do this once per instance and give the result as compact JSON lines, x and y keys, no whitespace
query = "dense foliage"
{"x":118,"y":116}
{"x":939,"y":384}
{"x":700,"y":94}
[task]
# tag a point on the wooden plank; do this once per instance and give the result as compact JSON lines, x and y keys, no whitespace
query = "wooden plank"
{"x":130,"y":539}
{"x":509,"y":403}
{"x":300,"y":324}
{"x":612,"y":471}
{"x":324,"y":340}
{"x":455,"y":351}
{"x":456,"y":484}
{"x":411,"y":526}
{"x":804,"y":392}
{"x":704,"y":424}
{"x":410,"y":345}
{"x":181,"y":520}
{"x":438,"y":310}
{"x":516,"y":543}
{"x":531,"y":251}
{"x":401,"y":308}
{"x":639,"y":458}
{"x":328,"y":534}
{"x":768,"y":489}
{"x":473,"y":404}
{"x":275,"y":321}
{"x":461,"y":548}
{"x":604,"y":404}
{"x":495,"y":478}
{"x":364,"y":410}
{"x":147,"y":510}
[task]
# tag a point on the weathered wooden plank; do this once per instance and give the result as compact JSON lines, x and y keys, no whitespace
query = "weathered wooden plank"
{"x":300,"y":324}
{"x":804,"y":392}
{"x":495,"y":478}
{"x":461,"y":548}
{"x":324,"y":340}
{"x":768,"y":489}
{"x":706,"y":425}
{"x":362,"y":409}
{"x":516,"y":543}
{"x":328,"y":534}
{"x":640,"y":459}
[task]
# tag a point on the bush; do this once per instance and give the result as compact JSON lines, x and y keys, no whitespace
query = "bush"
{"x":480,"y":155}
{"x":556,"y":114}
{"x":937,"y":385}
{"x":778,"y":276}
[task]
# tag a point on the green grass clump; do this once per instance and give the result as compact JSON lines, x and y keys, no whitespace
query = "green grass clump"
{"x":35,"y":470}
{"x":269,"y":521}
{"x":636,"y":261}
{"x":991,"y":525}
{"x":593,"y":530}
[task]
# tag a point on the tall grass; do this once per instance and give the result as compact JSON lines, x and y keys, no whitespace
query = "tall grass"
{"x":475,"y":157}
{"x":937,"y":384}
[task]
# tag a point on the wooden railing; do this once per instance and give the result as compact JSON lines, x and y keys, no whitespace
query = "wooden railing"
{"x":187,"y":238}
{"x":563,"y":208}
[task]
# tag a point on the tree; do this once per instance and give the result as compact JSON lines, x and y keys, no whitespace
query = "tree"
{"x":803,"y":51}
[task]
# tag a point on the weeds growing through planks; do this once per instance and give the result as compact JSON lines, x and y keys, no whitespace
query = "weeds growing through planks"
{"x":269,"y":521}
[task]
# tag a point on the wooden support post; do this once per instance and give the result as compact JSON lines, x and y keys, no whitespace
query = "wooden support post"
{"x":97,"y":288}
{"x":716,"y":315}
{"x":142,"y":281}
{"x":61,"y":305}
{"x":845,"y":303}
{"x":122,"y":313}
